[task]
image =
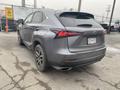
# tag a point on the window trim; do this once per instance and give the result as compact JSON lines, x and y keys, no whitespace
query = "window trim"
{"x":28,"y":16}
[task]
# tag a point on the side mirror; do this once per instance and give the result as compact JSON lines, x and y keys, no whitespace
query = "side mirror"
{"x":20,"y":21}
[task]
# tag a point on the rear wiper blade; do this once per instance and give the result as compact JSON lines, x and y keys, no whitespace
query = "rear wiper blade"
{"x":85,"y":25}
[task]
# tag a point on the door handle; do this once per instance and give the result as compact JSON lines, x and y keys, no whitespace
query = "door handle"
{"x":37,"y":29}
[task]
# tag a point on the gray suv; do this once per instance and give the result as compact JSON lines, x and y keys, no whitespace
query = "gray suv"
{"x":62,"y":39}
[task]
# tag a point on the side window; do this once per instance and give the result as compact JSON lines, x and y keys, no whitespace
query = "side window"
{"x":44,"y":17}
{"x":29,"y":18}
{"x":38,"y":17}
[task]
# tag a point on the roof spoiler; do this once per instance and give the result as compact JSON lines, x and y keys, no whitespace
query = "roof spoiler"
{"x":76,"y":13}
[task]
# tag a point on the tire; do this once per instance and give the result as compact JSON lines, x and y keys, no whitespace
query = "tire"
{"x":20,"y":40}
{"x":119,"y":30}
{"x":40,"y":58}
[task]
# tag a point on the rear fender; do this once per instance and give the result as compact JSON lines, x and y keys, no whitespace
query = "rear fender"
{"x":36,"y":39}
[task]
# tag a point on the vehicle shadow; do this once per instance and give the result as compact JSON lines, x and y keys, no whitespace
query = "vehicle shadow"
{"x":69,"y":74}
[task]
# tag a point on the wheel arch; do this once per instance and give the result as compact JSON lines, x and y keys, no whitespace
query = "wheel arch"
{"x":37,"y":41}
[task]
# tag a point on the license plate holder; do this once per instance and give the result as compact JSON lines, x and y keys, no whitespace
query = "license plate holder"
{"x":92,"y":41}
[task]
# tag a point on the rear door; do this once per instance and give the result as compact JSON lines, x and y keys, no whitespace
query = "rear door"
{"x":36,"y":20}
{"x":26,"y":28}
{"x":91,"y":33}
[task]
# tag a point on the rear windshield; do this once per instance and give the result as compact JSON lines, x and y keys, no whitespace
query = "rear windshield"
{"x":76,"y":15}
{"x":77,"y":20}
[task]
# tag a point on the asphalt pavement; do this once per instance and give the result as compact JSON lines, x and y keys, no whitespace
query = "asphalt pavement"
{"x":18,"y":70}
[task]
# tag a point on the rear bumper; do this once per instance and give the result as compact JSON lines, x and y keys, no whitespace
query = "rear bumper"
{"x":67,"y":59}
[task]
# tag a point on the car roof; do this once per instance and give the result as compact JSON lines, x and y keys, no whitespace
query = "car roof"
{"x":60,"y":12}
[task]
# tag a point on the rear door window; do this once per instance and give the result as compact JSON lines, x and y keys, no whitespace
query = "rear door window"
{"x":38,"y":17}
{"x":29,"y":18}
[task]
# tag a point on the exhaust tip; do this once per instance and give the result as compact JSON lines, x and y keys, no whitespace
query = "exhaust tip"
{"x":63,"y":68}
{"x":66,"y":69}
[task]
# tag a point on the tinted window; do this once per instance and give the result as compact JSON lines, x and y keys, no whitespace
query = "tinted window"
{"x":75,"y":19}
{"x":38,"y":17}
{"x":77,"y":15}
{"x":29,"y":19}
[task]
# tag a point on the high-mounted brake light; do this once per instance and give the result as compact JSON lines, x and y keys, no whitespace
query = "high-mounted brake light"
{"x":62,"y":33}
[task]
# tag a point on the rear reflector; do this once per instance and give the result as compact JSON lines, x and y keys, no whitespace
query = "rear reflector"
{"x":62,"y":33}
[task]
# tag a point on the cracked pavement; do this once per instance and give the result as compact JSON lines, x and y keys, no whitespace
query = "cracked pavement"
{"x":18,"y":70}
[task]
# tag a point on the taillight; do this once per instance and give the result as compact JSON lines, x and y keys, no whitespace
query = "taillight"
{"x":62,"y":33}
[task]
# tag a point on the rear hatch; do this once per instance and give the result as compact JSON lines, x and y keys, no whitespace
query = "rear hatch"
{"x":91,"y":35}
